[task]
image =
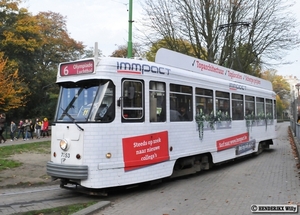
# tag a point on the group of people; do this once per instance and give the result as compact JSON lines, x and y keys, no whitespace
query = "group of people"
{"x":26,"y":129}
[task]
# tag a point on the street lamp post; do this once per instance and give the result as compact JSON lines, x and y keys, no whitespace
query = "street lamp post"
{"x":297,"y":110}
{"x":130,"y":21}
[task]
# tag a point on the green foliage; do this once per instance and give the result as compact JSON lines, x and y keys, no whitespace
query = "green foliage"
{"x":222,"y":116}
{"x":8,"y":164}
{"x":250,"y":119}
{"x":200,"y":119}
{"x":211,"y":119}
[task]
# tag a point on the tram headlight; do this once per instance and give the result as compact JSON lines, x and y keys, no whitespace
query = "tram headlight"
{"x":64,"y":145}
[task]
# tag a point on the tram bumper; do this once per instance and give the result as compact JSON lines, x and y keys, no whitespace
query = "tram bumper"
{"x":63,"y":171}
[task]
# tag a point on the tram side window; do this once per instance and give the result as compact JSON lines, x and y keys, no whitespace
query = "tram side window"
{"x":222,"y":103}
{"x":260,"y":108}
{"x":237,"y":107}
{"x":132,"y":101}
{"x":204,"y":101}
{"x":157,"y":92}
{"x":181,"y":103}
{"x":250,"y":105}
{"x":106,"y":110}
{"x":269,"y":109}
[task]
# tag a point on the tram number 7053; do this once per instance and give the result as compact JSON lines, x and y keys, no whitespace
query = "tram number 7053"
{"x":65,"y":155}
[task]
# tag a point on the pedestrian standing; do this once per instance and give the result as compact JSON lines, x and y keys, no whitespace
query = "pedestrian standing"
{"x":45,"y":125}
{"x":31,"y":128}
{"x":38,"y":126}
{"x":21,"y":129}
{"x":26,"y":129}
{"x":2,"y":124}
{"x":13,"y":128}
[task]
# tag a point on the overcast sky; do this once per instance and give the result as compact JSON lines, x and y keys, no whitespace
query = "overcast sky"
{"x":90,"y":21}
{"x":106,"y":22}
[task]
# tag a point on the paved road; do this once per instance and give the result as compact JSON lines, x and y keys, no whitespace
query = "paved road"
{"x":270,"y":178}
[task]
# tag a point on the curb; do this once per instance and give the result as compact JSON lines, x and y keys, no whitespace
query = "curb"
{"x":93,"y":208}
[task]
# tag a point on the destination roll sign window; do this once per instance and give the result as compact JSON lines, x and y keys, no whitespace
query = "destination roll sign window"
{"x":77,"y":68}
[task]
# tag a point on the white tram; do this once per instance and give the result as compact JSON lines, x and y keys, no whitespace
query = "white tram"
{"x":125,"y":121}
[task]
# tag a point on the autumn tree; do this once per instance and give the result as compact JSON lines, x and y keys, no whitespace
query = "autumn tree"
{"x":121,"y":51}
{"x":181,"y":46}
{"x":20,"y":36}
{"x":238,"y":34}
{"x":280,"y":86}
{"x":19,"y":40}
{"x":56,"y":46}
{"x":35,"y":45}
{"x":281,"y":105}
{"x":12,"y":93}
{"x":282,"y":89}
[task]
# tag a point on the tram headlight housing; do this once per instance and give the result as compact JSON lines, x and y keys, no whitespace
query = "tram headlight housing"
{"x":64,"y":145}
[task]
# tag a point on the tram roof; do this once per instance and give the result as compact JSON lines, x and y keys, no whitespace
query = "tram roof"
{"x":181,"y":61}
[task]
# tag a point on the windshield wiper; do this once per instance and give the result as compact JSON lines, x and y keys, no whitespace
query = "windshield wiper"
{"x":72,"y":118}
{"x":71,"y":105}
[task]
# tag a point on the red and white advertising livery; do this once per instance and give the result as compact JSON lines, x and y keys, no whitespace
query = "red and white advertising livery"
{"x":125,"y":121}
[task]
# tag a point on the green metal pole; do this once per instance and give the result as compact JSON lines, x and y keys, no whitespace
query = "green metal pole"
{"x":130,"y":21}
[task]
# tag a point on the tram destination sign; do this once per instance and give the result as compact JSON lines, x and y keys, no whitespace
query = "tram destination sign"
{"x":76,"y":68}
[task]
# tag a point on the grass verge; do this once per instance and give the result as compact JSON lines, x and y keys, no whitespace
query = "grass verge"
{"x":66,"y":210}
{"x":6,"y":151}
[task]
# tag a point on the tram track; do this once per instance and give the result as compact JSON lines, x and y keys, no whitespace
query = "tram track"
{"x":19,"y":200}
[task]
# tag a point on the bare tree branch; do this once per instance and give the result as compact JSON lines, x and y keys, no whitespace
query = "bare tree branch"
{"x":235,"y":33}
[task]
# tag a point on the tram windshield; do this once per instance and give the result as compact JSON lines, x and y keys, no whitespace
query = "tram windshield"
{"x":86,"y":101}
